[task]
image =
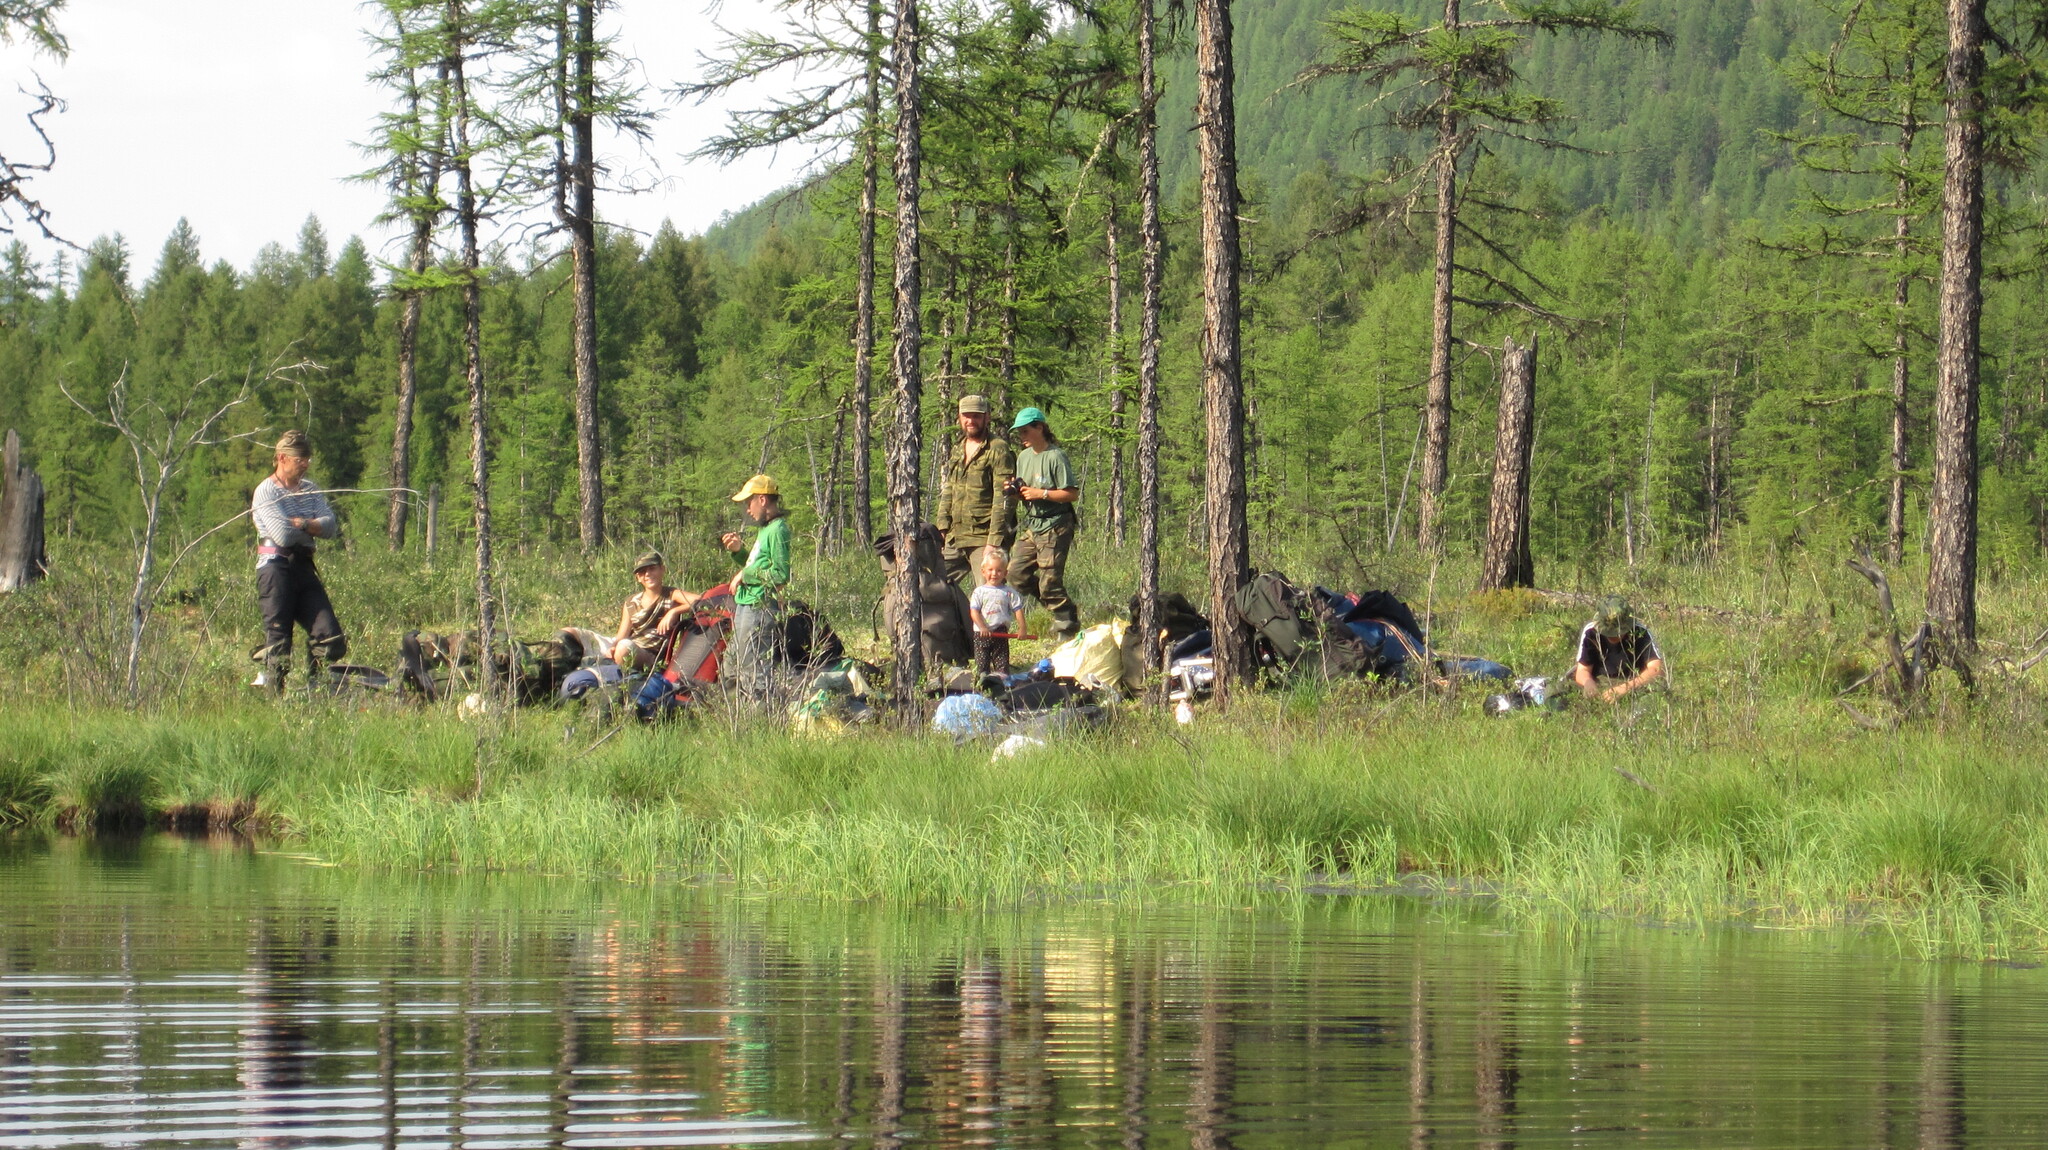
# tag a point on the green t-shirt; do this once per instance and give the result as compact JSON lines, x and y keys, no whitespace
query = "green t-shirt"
{"x":1048,"y":469}
{"x":766,"y":566}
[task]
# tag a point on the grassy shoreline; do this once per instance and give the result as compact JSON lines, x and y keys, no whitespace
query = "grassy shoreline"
{"x":1937,"y":834}
{"x":1750,"y":795}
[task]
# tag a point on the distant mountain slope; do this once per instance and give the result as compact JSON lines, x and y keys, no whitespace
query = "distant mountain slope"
{"x":1674,"y":135}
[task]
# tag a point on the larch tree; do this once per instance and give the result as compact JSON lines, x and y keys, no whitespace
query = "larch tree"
{"x":1222,"y":362}
{"x":1507,"y":561}
{"x":488,"y":150}
{"x":1880,"y":82}
{"x":845,"y":100}
{"x":1456,"y":83}
{"x":1991,"y":107}
{"x":412,"y":143}
{"x":1151,"y":279}
{"x":906,"y":436}
{"x":588,"y":89}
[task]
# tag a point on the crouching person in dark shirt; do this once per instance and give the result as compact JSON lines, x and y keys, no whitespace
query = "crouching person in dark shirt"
{"x":1616,"y":648}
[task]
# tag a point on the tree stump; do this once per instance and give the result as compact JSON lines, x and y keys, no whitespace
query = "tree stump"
{"x":22,"y":561}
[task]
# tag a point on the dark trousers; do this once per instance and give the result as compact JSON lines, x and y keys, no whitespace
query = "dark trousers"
{"x":991,"y":654}
{"x":1038,"y":568}
{"x":963,"y":558}
{"x":289,"y":591}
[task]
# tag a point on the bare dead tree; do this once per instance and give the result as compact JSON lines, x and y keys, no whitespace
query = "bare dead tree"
{"x":162,"y":439}
{"x":22,"y":561}
{"x":1909,"y":661}
{"x":16,"y":174}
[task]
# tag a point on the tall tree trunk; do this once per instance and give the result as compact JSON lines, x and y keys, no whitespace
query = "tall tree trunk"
{"x":1222,"y":381}
{"x":582,"y":176}
{"x":1895,"y":511}
{"x":425,"y":212}
{"x":466,"y":213}
{"x":22,"y":560}
{"x":832,"y":524}
{"x":1902,"y":298}
{"x":864,"y":291}
{"x":1151,"y":276}
{"x":1506,"y":563}
{"x":906,"y":435}
{"x":1006,"y":342}
{"x":1436,"y":436}
{"x":1952,"y":503}
{"x":1116,"y":378}
{"x":408,"y":393}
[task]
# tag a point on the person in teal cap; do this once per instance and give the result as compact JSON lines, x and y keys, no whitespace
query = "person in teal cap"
{"x":1046,"y":489}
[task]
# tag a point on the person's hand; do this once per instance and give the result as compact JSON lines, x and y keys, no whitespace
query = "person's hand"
{"x":298,"y":522}
{"x":730,"y":540}
{"x":1030,"y":493}
{"x":1613,"y":694}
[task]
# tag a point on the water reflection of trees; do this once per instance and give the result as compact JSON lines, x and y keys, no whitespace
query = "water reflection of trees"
{"x":1093,"y":1026}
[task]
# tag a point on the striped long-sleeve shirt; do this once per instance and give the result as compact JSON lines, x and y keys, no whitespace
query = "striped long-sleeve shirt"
{"x":274,"y":508}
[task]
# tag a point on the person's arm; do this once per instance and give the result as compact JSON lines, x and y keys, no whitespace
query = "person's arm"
{"x":1650,"y":673}
{"x":981,"y":626}
{"x":1583,"y":676}
{"x":1052,"y":494}
{"x":1065,"y":490}
{"x":321,"y":523}
{"x":769,"y":565}
{"x":267,"y":510}
{"x":625,"y":621}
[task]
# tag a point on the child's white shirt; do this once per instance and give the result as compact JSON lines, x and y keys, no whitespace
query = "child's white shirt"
{"x":998,"y":606}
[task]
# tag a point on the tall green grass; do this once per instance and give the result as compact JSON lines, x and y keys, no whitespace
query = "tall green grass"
{"x":1743,"y":793}
{"x":1940,"y":836}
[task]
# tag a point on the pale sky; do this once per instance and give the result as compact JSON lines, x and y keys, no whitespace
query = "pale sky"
{"x":242,"y":116}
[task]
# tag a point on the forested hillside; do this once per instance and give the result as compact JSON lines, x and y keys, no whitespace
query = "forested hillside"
{"x":1700,"y":388}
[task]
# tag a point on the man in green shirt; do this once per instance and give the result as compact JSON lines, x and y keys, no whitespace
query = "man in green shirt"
{"x":757,"y":589}
{"x":1046,"y":487}
{"x":974,"y":514}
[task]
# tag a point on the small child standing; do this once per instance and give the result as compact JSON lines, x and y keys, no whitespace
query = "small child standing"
{"x":995,"y":607}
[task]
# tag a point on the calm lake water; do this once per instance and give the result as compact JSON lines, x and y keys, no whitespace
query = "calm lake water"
{"x":167,"y":992}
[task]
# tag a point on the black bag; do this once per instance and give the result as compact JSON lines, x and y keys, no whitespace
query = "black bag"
{"x":1178,"y":617}
{"x":804,"y":639}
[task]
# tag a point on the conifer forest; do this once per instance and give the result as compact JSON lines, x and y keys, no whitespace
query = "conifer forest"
{"x":1570,"y":287}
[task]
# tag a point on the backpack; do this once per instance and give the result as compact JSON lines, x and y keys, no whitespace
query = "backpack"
{"x":943,"y":626}
{"x":1296,"y":632}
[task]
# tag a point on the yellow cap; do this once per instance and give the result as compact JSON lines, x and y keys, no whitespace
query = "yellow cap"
{"x":758,"y":485}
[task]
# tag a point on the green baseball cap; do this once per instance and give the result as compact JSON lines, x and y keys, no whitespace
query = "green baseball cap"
{"x":1026,"y":418}
{"x":651,"y":559}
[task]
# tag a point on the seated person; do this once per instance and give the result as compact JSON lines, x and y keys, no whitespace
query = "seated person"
{"x":1614,"y":646}
{"x":648,"y":616}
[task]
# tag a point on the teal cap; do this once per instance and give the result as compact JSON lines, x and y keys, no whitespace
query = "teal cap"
{"x":1027,"y":417}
